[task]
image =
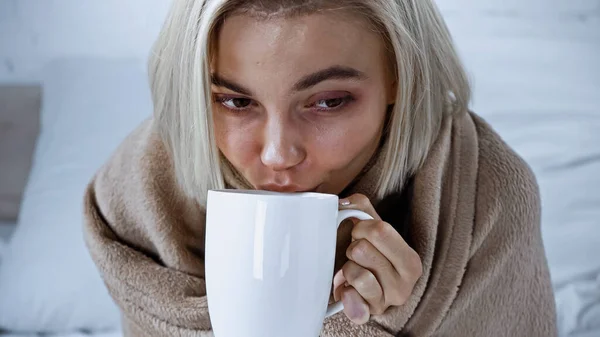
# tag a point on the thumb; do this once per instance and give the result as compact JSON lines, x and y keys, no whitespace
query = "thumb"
{"x":338,"y":281}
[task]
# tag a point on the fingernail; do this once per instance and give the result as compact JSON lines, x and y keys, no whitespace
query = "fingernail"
{"x":344,"y":202}
{"x":338,"y":279}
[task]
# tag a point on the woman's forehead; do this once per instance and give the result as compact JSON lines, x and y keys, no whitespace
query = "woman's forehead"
{"x":300,"y":44}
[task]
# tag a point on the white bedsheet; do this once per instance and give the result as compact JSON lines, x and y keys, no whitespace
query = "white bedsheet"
{"x":578,"y":306}
{"x":6,"y":229}
{"x":81,"y":334}
{"x":590,"y":333}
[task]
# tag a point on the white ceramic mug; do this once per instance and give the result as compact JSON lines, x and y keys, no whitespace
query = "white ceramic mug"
{"x":269,"y":261}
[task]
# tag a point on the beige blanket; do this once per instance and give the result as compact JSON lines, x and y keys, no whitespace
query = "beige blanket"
{"x":473,"y":217}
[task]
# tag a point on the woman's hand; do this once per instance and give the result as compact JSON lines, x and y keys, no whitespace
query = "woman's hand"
{"x":381,"y":270}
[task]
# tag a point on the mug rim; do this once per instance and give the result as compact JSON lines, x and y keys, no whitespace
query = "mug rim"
{"x":272,"y":194}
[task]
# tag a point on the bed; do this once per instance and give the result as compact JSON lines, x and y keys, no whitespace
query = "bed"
{"x":535,"y":81}
{"x":74,"y":334}
{"x":48,"y":283}
{"x":6,"y":228}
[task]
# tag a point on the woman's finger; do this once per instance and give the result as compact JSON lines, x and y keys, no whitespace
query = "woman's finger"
{"x":338,"y":281}
{"x":359,"y":202}
{"x":365,"y":282}
{"x":393,"y":247}
{"x":363,"y":253}
{"x":355,"y":307}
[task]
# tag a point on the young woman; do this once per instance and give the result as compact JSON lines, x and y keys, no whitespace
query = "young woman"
{"x":365,"y":99}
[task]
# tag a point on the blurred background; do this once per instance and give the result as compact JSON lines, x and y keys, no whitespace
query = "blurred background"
{"x":73,"y":85}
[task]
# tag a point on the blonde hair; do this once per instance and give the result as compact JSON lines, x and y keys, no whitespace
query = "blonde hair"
{"x":428,"y":72}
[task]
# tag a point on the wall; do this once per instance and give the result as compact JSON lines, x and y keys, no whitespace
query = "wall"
{"x":34,"y":31}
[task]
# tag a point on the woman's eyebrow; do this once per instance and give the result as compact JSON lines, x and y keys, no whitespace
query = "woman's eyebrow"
{"x":222,"y":82}
{"x":308,"y":81}
{"x":334,"y":72}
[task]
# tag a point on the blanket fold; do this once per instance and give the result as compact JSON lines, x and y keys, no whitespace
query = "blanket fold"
{"x":474,"y":220}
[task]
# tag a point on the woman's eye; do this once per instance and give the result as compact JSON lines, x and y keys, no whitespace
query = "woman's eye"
{"x":235,"y":103}
{"x":329,"y":104}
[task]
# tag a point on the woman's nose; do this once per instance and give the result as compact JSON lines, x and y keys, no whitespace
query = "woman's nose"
{"x":282,"y":148}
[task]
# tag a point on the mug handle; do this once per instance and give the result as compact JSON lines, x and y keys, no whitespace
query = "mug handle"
{"x":338,"y":306}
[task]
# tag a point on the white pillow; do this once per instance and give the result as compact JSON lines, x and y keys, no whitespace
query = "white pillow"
{"x":48,"y":283}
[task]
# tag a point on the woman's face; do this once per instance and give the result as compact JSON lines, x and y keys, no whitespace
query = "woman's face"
{"x":300,"y":103}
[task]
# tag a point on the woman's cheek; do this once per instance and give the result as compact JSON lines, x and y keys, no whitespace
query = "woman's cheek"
{"x":338,"y":146}
{"x":237,"y":144}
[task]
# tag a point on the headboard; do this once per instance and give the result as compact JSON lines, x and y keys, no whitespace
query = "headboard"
{"x":19,"y":127}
